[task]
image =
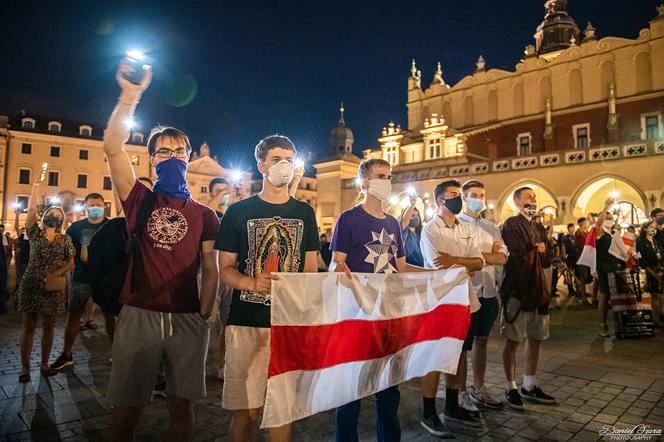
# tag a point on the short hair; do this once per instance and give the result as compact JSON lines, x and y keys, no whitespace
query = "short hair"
{"x":93,"y":196}
{"x":442,"y":187}
{"x":364,"y":170}
{"x":581,"y":220}
{"x":570,"y":225}
{"x":166,"y":131}
{"x":655,"y":211}
{"x":215,"y":181}
{"x":146,"y":180}
{"x":470,"y":184}
{"x":272,"y":142}
{"x":519,"y":191}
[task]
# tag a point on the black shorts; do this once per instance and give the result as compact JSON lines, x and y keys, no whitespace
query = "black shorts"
{"x":468,"y":342}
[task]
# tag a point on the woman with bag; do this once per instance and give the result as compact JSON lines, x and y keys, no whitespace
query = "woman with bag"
{"x":43,"y":287}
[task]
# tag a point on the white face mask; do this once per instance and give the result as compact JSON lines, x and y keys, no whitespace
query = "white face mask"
{"x":281,"y":173}
{"x":381,"y":189}
{"x":608,"y":224}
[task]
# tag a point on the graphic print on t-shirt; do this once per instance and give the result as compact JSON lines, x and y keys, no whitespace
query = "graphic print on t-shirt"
{"x":382,"y":249}
{"x":167,"y":226}
{"x":274,"y":246}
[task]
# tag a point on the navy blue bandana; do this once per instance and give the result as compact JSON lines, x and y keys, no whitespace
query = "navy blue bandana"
{"x":171,"y":179}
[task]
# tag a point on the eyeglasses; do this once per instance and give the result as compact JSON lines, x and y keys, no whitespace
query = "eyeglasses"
{"x":165,"y":152}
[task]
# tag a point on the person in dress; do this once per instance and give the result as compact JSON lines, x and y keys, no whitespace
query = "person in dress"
{"x":51,"y":256}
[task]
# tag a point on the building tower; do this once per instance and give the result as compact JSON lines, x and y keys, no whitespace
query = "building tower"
{"x":558,"y":31}
{"x":341,"y":138}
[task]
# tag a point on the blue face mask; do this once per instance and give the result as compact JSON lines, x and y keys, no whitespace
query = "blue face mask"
{"x":95,"y":212}
{"x":660,"y":220}
{"x":475,"y":204}
{"x":171,"y":179}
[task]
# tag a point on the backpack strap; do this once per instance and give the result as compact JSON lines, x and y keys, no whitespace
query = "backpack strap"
{"x":144,"y":211}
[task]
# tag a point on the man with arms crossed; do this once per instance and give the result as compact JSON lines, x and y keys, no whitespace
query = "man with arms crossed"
{"x":163,"y":319}
{"x":446,"y":242}
{"x":268,"y":232}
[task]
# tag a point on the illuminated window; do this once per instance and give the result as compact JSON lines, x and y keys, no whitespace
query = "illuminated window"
{"x":651,"y":124}
{"x":135,"y":160}
{"x":434,"y":150}
{"x":392,"y":153}
{"x":523,"y":144}
{"x":53,"y":178}
{"x":22,"y":203}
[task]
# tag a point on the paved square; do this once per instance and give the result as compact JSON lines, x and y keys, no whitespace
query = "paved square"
{"x":596,"y":381}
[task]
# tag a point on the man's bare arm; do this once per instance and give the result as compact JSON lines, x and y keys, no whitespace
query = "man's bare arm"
{"x":117,"y":130}
{"x":209,"y":277}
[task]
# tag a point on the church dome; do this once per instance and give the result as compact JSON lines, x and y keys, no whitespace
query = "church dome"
{"x":341,"y":137}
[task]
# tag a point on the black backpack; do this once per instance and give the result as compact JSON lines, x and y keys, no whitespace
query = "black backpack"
{"x":109,"y":254}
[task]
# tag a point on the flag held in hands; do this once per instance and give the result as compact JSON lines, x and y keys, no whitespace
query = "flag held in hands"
{"x":335,"y":340}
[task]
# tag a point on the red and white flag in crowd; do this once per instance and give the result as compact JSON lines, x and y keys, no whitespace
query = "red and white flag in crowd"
{"x":335,"y":340}
{"x":589,"y":254}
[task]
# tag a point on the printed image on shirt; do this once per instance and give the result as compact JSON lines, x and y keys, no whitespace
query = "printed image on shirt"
{"x":274,"y":246}
{"x":382,"y":249}
{"x":167,"y":226}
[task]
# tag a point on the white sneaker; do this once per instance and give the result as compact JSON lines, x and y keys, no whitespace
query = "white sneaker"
{"x":467,"y":404}
{"x":483,"y":398}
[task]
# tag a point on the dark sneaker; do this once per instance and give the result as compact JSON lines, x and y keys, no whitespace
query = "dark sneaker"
{"x":159,"y":389}
{"x":537,"y":395}
{"x":514,"y":399}
{"x":434,"y":426}
{"x":62,"y":362}
{"x":462,"y":416}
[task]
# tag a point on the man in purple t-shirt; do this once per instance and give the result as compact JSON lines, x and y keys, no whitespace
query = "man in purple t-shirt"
{"x":368,"y":240}
{"x":163,"y":318}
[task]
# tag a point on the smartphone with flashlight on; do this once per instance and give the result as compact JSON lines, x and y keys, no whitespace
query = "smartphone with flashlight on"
{"x":135,"y":59}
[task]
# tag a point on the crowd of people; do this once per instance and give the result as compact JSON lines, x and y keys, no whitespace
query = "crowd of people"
{"x":190,"y":264}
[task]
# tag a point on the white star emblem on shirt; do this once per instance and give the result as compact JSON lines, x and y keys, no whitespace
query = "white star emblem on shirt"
{"x":381,"y":250}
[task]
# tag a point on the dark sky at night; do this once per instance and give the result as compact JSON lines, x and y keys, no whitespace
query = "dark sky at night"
{"x":232,"y":72}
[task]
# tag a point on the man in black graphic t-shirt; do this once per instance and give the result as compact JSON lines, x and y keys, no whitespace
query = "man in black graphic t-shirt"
{"x":269,"y":232}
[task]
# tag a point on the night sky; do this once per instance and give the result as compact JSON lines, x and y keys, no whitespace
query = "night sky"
{"x":230,"y":73}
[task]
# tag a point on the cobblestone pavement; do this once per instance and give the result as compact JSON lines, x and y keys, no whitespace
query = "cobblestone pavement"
{"x":597,"y":382}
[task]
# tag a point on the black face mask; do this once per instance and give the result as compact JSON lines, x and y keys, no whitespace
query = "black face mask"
{"x":454,"y":205}
{"x":52,"y":221}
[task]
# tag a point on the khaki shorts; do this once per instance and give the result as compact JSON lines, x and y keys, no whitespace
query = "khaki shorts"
{"x":245,"y":372}
{"x":530,"y":325}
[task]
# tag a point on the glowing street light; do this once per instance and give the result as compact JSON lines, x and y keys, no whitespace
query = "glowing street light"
{"x":615,"y":194}
{"x":135,"y":55}
{"x":394,"y":200}
{"x":236,"y":176}
{"x":430,"y":212}
{"x":491,"y":206}
{"x":55,"y":200}
{"x":130,"y":123}
{"x":78,"y":208}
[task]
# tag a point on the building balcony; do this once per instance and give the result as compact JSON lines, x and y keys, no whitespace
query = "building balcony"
{"x":616,"y":151}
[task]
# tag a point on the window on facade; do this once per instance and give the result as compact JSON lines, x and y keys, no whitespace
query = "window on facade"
{"x":392,"y":155}
{"x":652,"y":127}
{"x":108,"y":184}
{"x":82,"y":181}
{"x":307,"y":186}
{"x":28,"y":123}
{"x":581,"y":137}
{"x":203,"y":189}
{"x":54,"y":178}
{"x":85,"y":131}
{"x":55,"y":151}
{"x":524,"y":144}
{"x":26,"y":148}
{"x":83,"y":154}
{"x":22,"y":203}
{"x":135,"y":160}
{"x":137,"y":138}
{"x":434,"y":148}
{"x":53,"y":127}
{"x":24,"y":176}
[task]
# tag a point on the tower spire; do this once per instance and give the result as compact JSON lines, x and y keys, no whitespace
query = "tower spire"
{"x":341,"y":114}
{"x":557,"y":28}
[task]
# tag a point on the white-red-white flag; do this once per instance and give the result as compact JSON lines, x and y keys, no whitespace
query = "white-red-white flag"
{"x":335,"y":340}
{"x":589,"y":253}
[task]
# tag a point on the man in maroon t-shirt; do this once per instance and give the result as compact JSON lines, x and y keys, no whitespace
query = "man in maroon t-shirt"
{"x":164,"y":317}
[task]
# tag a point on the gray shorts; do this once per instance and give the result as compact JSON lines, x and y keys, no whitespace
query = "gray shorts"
{"x":529,"y":325}
{"x":79,"y":293}
{"x":145,"y":339}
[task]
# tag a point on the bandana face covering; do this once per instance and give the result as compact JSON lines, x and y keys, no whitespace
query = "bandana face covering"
{"x":171,"y":179}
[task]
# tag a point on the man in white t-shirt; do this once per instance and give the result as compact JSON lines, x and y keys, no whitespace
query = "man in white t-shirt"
{"x":488,"y":240}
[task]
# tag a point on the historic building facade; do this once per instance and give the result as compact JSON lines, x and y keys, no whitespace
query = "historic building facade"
{"x":578,"y":119}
